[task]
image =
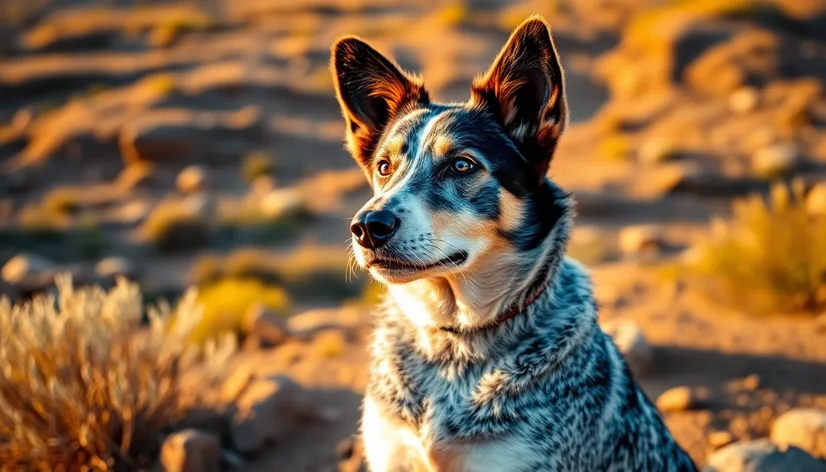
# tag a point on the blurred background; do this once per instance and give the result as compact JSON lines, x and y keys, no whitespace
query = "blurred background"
{"x":199,"y":143}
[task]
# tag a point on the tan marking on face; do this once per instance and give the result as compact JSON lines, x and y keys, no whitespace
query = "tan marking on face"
{"x":442,"y":145}
{"x":394,"y":146}
{"x":511,"y":211}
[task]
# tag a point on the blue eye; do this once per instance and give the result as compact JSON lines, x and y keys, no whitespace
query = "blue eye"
{"x":462,"y":166}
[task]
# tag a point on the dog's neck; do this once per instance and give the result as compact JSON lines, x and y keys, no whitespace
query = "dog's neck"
{"x":469,"y":304}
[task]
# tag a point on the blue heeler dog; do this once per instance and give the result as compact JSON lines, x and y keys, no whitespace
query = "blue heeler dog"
{"x":487,"y":355}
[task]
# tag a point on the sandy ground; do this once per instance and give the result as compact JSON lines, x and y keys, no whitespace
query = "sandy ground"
{"x":74,"y":82}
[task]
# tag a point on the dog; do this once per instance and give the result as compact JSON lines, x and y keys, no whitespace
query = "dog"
{"x":487,"y":355}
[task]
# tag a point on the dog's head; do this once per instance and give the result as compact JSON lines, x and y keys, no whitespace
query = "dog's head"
{"x":457,"y":187}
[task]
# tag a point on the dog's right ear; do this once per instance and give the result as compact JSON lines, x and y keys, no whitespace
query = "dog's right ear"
{"x":371,"y":90}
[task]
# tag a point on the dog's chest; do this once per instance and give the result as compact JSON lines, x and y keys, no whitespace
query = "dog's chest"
{"x":434,"y":419}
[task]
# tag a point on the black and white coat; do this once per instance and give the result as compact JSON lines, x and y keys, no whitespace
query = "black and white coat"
{"x":544,"y":391}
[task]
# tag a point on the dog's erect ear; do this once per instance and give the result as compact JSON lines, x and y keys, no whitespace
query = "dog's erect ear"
{"x":525,"y":90}
{"x":371,"y":90}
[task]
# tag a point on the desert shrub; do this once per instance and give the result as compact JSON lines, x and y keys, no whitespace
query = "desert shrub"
{"x":175,"y":225}
{"x":258,"y":164}
{"x":226,"y":301}
{"x":85,"y":387}
{"x":770,"y":256}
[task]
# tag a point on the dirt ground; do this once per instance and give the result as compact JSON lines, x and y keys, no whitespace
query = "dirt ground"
{"x":88,"y":92}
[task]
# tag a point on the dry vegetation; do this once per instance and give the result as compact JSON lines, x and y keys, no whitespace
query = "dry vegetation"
{"x":86,"y":387}
{"x":770,"y":256}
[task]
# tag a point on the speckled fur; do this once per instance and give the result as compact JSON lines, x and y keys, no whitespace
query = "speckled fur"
{"x":452,"y":387}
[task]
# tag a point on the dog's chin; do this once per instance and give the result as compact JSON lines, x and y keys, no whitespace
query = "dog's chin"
{"x":398,"y":270}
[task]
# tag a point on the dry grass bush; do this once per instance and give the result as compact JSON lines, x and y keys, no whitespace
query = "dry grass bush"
{"x":84,"y":387}
{"x":771,"y":255}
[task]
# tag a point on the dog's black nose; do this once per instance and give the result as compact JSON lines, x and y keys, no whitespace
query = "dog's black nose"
{"x":374,"y":228}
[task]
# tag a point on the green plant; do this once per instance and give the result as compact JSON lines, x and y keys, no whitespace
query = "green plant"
{"x":226,"y":301}
{"x":258,"y":164}
{"x":85,"y":387}
{"x":770,"y":256}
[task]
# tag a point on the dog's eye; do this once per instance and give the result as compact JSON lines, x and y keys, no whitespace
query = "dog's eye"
{"x":462,"y":165}
{"x":384,"y":168}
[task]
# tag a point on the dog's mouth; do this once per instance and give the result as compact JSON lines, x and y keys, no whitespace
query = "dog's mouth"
{"x":398,"y":265}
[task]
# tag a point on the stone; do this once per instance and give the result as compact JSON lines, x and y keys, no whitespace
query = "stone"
{"x":283,"y":203}
{"x":655,"y":150}
{"x":761,"y":456}
{"x":265,"y":412}
{"x":191,"y":179}
{"x":816,"y":199}
{"x":776,"y":160}
{"x":307,"y":323}
{"x":112,"y":267}
{"x":25,"y":267}
{"x":804,"y":428}
{"x":641,"y":239}
{"x":718,"y":439}
{"x":744,"y":100}
{"x":191,"y":451}
{"x":268,"y":327}
{"x":676,"y":399}
{"x":631,"y":342}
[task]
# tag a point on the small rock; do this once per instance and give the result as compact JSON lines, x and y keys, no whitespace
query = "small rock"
{"x":776,"y":160}
{"x":816,"y":200}
{"x":718,"y":439}
{"x":23,"y":267}
{"x":329,"y":343}
{"x":112,"y":267}
{"x":655,"y":150}
{"x":268,"y":327}
{"x":676,"y":399}
{"x":641,"y":239}
{"x":761,"y":456}
{"x":283,"y":203}
{"x":744,"y":100}
{"x":804,"y":428}
{"x":191,"y":179}
{"x":191,"y":451}
{"x":752,"y":382}
{"x":631,"y":343}
{"x":265,"y":412}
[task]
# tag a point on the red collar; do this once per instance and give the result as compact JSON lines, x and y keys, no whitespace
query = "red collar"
{"x":517,"y":309}
{"x":511,"y":312}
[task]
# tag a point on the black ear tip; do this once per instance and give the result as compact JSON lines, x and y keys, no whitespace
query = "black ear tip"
{"x":535,"y":27}
{"x":346,"y":47}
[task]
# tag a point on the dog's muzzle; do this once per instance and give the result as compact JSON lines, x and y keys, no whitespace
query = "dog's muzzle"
{"x":373,"y":229}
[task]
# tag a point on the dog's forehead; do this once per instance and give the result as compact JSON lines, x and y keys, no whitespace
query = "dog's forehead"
{"x":439,"y":130}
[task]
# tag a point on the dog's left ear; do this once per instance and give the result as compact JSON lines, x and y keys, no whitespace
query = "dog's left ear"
{"x":525,"y":90}
{"x":371,"y":90}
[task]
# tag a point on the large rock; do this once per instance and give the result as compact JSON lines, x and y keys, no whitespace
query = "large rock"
{"x":191,"y":451}
{"x":804,"y":428}
{"x":190,"y":136}
{"x":267,"y":327}
{"x":265,"y":412}
{"x":762,"y":456}
{"x":631,"y":343}
{"x":676,"y":399}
